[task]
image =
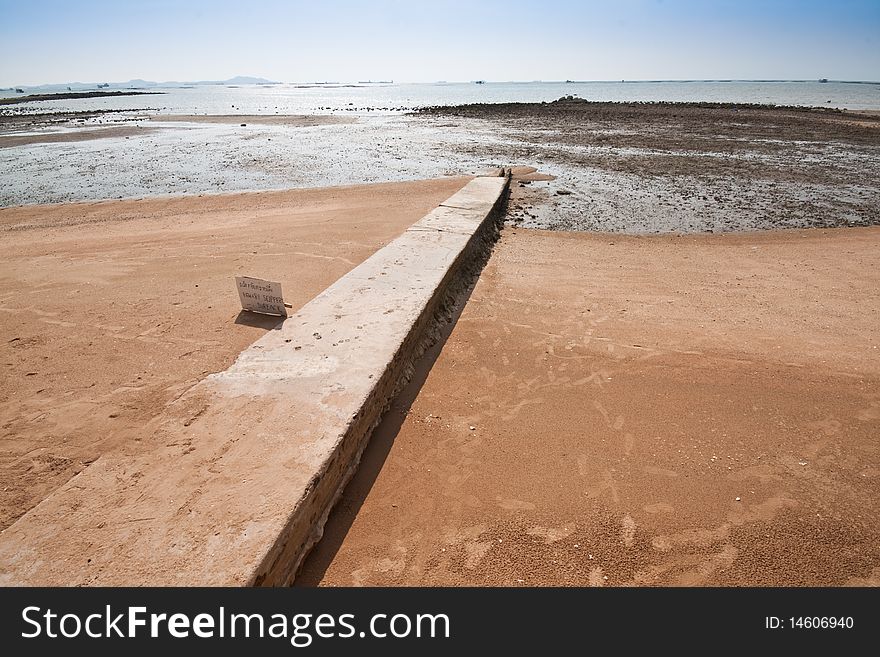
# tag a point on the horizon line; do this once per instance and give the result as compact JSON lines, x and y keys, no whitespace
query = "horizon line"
{"x":392,"y":82}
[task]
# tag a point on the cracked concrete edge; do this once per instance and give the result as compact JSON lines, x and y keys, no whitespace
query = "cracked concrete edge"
{"x":460,"y":277}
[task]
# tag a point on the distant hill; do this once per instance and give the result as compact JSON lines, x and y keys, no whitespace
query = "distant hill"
{"x":239,"y":79}
{"x":245,"y":79}
{"x":137,"y":83}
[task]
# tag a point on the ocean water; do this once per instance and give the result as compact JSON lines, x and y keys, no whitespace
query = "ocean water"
{"x":395,"y":98}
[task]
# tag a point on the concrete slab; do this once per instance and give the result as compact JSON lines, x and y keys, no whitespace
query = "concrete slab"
{"x":449,"y":220}
{"x":472,"y":196}
{"x":246,"y":465}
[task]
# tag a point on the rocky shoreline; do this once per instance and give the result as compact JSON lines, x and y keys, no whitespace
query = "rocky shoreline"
{"x":684,"y":167}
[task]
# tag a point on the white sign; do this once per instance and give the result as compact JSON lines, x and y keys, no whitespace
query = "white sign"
{"x":260,"y":296}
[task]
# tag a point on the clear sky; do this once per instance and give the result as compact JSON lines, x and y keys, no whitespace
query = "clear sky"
{"x":53,"y":41}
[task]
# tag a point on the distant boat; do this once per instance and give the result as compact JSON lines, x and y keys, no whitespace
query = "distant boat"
{"x":104,"y":86}
{"x":19,"y":91}
{"x":823,"y":79}
{"x":479,"y":82}
{"x":569,"y":81}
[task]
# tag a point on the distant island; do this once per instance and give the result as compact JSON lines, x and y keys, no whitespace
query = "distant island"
{"x":136,"y":83}
{"x":69,"y":95}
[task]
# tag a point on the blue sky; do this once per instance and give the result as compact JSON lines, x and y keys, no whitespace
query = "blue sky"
{"x":50,"y":41}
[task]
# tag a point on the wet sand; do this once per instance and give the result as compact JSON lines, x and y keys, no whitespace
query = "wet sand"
{"x":111,"y":310}
{"x":196,"y":155}
{"x":621,"y":410}
{"x":74,"y":135}
{"x":298,"y":121}
{"x":76,"y":127}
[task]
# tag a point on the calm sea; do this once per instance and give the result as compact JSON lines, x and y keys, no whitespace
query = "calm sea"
{"x":385,"y":98}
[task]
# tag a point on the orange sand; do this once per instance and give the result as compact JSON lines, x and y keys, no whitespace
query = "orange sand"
{"x":609,"y":410}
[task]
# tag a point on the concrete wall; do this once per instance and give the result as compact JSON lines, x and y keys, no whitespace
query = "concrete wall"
{"x":241,"y":472}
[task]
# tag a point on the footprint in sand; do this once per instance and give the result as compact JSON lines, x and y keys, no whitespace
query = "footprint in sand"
{"x":763,"y":512}
{"x":515,"y":505}
{"x":870,"y":413}
{"x":596,"y":577}
{"x":720,"y":561}
{"x":628,"y":530}
{"x":830,"y":426}
{"x":659,"y":507}
{"x":475,"y":551}
{"x":871,"y":579}
{"x":551,"y":534}
{"x":663,"y":472}
{"x":386,"y":566}
{"x":607,"y":483}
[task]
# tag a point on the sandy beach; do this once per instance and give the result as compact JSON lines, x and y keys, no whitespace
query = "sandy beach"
{"x":109,"y":311}
{"x":464,"y":327}
{"x":617,"y":410}
{"x":666,"y":374}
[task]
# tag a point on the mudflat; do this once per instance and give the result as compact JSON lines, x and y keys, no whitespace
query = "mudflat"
{"x":633,"y":410}
{"x":111,"y":310}
{"x":684,"y":167}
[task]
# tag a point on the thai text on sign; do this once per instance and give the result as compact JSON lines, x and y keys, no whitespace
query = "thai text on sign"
{"x":260,"y":296}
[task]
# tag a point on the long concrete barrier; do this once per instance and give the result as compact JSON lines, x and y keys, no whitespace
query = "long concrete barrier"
{"x":237,"y":477}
